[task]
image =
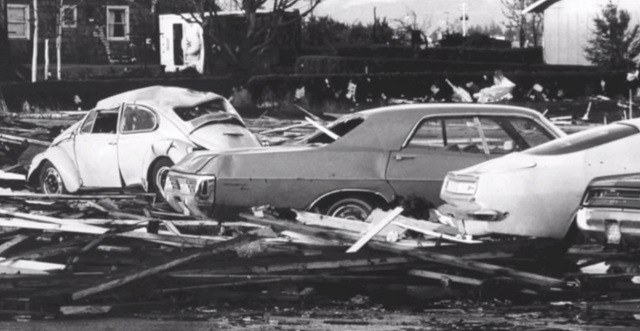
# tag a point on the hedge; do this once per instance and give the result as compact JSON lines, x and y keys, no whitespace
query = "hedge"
{"x":348,"y":65}
{"x":274,"y":88}
{"x":508,"y":55}
{"x":51,"y":95}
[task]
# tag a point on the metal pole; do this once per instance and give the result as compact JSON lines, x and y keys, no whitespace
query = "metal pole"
{"x":46,"y":59}
{"x":464,"y":19}
{"x":34,"y":56}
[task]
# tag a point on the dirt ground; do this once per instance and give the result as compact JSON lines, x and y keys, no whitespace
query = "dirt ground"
{"x":378,"y":319}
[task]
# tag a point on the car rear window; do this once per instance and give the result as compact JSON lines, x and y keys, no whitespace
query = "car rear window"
{"x":584,"y":140}
{"x":207,"y":108}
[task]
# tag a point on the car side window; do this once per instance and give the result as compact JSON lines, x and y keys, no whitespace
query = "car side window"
{"x":456,"y":134}
{"x":106,"y":122}
{"x":508,"y":134}
{"x":87,"y":126}
{"x":498,"y":140}
{"x":137,"y":119}
{"x":531,"y":131}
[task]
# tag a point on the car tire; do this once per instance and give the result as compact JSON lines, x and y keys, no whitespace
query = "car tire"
{"x":50,"y":179}
{"x":158,"y":175}
{"x":352,"y":208}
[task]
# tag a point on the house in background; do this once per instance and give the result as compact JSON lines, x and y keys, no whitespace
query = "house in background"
{"x":93,"y":31}
{"x":568,"y":25}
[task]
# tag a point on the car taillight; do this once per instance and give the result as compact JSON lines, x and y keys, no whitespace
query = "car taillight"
{"x":463,"y":187}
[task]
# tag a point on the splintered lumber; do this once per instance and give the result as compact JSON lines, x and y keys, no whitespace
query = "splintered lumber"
{"x":14,"y":242}
{"x":421,"y":254}
{"x":486,"y":268}
{"x":257,"y":280}
{"x":30,"y":265}
{"x":39,"y":222}
{"x":117,"y":280}
{"x":33,"y":196}
{"x":429,"y":229}
{"x":341,"y":261}
{"x":308,"y":218}
{"x":19,"y":140}
{"x":390,"y":216}
{"x":445,"y":277}
{"x":11,"y":176}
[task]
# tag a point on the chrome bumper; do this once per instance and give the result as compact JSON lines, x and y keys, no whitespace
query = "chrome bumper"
{"x":190,"y":194}
{"x":598,"y":222}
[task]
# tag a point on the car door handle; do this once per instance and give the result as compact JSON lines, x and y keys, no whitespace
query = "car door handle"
{"x":400,"y":157}
{"x":112,"y":143}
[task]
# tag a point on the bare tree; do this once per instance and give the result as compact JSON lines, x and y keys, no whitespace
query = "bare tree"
{"x":527,"y":26}
{"x":410,"y":24}
{"x":264,"y":21}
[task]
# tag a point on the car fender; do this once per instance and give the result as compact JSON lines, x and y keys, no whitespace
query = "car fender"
{"x":174,"y":149}
{"x":63,"y":162}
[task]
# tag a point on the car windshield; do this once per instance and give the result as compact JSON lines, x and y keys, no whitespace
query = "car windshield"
{"x":213,"y":107}
{"x":584,"y":140}
{"x":339,"y":127}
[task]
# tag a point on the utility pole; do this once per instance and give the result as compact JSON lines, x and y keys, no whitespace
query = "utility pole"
{"x":34,"y":57}
{"x":464,"y":19}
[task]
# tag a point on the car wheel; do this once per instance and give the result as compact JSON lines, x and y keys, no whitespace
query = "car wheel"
{"x":158,"y":176}
{"x":51,"y":180}
{"x":351,"y":208}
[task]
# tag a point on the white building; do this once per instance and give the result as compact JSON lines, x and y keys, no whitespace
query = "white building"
{"x":568,"y":25}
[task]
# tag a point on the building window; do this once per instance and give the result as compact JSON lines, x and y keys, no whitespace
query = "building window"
{"x":18,"y":21}
{"x":69,"y":16}
{"x":118,"y":22}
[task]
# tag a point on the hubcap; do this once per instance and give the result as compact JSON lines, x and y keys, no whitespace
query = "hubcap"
{"x":52,"y":182}
{"x":351,"y":212}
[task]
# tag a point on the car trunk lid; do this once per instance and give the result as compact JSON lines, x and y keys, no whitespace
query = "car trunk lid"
{"x":223,"y":136}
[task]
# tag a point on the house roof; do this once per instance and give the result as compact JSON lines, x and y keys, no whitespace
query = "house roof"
{"x":539,"y":6}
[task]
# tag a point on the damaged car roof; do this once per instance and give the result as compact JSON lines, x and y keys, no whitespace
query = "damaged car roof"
{"x":162,"y":96}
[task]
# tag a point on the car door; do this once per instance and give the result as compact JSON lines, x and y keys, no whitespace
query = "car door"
{"x":96,"y":150}
{"x":138,"y":131}
{"x":437,"y":146}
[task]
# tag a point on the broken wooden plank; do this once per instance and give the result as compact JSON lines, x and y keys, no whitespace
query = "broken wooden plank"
{"x":23,"y":195}
{"x":74,"y":226}
{"x":430,"y":229}
{"x":422,"y":254}
{"x":19,"y":140}
{"x":121,"y":279}
{"x":390,"y":216}
{"x":18,"y":239}
{"x":306,"y":264}
{"x":445,"y":277}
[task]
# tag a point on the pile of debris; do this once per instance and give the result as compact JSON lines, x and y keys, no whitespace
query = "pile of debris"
{"x":100,"y":254}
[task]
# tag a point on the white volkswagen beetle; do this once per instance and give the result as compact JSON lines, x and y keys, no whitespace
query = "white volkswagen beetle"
{"x":537,"y":192}
{"x":134,"y":138}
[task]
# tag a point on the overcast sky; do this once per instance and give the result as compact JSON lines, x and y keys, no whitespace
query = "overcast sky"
{"x":481,"y":12}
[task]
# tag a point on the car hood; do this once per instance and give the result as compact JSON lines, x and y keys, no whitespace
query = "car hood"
{"x":217,"y":136}
{"x":511,"y":162}
{"x":200,"y":162}
{"x":66,"y":134}
{"x":630,"y":181}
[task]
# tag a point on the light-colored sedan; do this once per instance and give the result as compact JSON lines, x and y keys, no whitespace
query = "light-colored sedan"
{"x":537,"y":192}
{"x":134,"y":138}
